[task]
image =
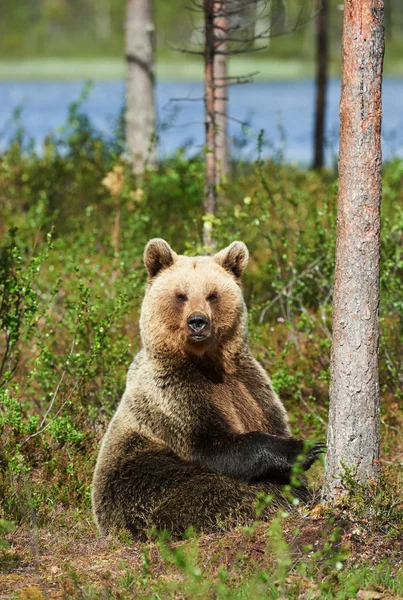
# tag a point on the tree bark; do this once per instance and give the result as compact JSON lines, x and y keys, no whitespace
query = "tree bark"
{"x":221,"y":90}
{"x":321,"y":82}
{"x":140,"y":103}
{"x":210,"y":122}
{"x":353,"y":435}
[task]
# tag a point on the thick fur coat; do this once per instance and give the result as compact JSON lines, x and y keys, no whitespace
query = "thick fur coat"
{"x":199,"y":431}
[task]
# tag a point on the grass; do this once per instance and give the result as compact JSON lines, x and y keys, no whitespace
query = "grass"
{"x":188,"y":70}
{"x":183,"y":68}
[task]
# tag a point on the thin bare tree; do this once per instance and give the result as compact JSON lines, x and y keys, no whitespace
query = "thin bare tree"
{"x":322,"y":33}
{"x":140,"y":102}
{"x":229,"y":28}
{"x":216,"y":29}
{"x":210,"y":122}
{"x":354,"y":435}
{"x":220,"y":69}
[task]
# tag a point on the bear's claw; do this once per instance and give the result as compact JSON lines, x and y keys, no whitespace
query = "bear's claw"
{"x":313,"y":454}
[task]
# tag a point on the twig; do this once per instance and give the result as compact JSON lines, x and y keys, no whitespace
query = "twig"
{"x":286,"y":287}
{"x":56,"y":415}
{"x":313,"y":411}
{"x":391,"y":462}
{"x":59,"y":384}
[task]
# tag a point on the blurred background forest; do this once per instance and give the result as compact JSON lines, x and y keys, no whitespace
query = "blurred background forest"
{"x":94,"y":29}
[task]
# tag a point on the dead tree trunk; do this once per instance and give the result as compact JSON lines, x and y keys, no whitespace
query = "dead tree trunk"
{"x":321,"y":82}
{"x":140,"y":103}
{"x":354,"y":436}
{"x":229,"y":28}
{"x":221,"y":89}
{"x":215,"y":106}
{"x":210,"y":122}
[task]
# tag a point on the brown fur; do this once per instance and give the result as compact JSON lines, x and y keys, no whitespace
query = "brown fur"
{"x":147,"y":473}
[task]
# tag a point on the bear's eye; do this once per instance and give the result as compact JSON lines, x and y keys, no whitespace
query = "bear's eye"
{"x":181,"y":297}
{"x":212,"y":297}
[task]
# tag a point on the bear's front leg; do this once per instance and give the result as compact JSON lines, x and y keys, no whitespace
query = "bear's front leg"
{"x":255,"y":457}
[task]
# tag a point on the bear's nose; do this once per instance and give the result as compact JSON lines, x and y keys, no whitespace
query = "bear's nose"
{"x":197,"y":322}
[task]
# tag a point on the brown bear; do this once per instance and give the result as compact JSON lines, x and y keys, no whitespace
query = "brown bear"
{"x":199,"y":431}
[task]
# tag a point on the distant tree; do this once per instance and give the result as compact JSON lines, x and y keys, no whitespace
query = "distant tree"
{"x":140,"y":101}
{"x":229,"y":28}
{"x":322,"y":32}
{"x":210,"y":119}
{"x":220,"y":69}
{"x":354,"y":432}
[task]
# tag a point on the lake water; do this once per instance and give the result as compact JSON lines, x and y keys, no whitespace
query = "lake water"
{"x":284,"y":110}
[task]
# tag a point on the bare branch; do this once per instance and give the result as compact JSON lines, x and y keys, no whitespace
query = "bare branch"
{"x":298,"y":277}
{"x":59,"y":383}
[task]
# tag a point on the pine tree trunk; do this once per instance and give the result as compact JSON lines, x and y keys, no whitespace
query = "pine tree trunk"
{"x":140,"y":103}
{"x":353,"y":435}
{"x":210,"y":122}
{"x":221,"y":90}
{"x":321,"y":82}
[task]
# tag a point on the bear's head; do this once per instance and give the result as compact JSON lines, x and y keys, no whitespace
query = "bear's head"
{"x":193,"y":305}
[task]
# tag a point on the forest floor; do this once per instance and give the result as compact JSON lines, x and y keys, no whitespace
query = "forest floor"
{"x":68,"y":560}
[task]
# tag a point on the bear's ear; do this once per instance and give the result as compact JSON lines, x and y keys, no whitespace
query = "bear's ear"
{"x":158,"y":255}
{"x":234,"y":258}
